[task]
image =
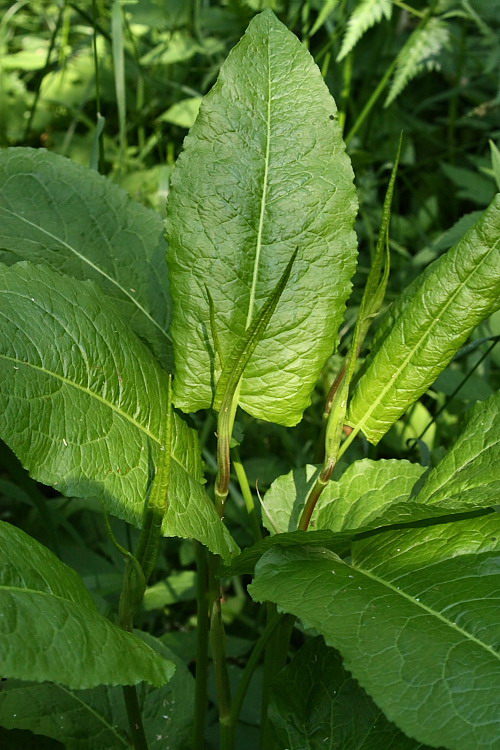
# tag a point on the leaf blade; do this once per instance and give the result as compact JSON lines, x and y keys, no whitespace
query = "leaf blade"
{"x":83,"y":401}
{"x":258,"y":191}
{"x":48,"y":617}
{"x":412,"y":645}
{"x":427,"y":325}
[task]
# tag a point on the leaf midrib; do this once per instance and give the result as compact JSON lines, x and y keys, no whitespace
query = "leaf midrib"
{"x":429,"y":610}
{"x":437,"y":319}
{"x":263,"y":199}
{"x":96,"y":268}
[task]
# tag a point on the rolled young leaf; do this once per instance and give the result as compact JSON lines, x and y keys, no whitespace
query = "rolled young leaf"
{"x":263,"y":171}
{"x":82,"y":399}
{"x":427,"y":325}
{"x":56,"y":212}
{"x":415,"y":619}
{"x":50,"y":628}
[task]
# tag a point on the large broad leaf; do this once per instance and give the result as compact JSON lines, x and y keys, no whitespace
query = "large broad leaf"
{"x":81,"y":401}
{"x":317,"y":705}
{"x":263,"y":172}
{"x":57,"y":212}
{"x":50,"y":628}
{"x":427,"y":325}
{"x":367,"y":495}
{"x":95,"y":719}
{"x":470,"y":472}
{"x":415,"y":618}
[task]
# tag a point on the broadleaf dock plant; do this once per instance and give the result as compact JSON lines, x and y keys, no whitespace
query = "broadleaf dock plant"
{"x":106,"y":337}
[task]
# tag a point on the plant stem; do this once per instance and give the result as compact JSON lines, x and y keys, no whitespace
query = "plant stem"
{"x":274,"y":661}
{"x":247,"y":495}
{"x":217,"y":641}
{"x":201,"y":700}
{"x":134,"y":717}
{"x":247,"y":675}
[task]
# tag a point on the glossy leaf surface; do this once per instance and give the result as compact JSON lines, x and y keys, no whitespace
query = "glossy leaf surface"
{"x":263,"y":172}
{"x":415,"y":619}
{"x":50,"y":628}
{"x":427,"y":325}
{"x":317,"y":705}
{"x":95,"y":719}
{"x":56,"y":212}
{"x":82,"y":400}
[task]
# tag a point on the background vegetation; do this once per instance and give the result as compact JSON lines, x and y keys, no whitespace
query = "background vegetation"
{"x":115,"y":85}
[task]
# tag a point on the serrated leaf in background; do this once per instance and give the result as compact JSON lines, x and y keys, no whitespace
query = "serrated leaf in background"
{"x":264,"y":171}
{"x":365,"y":15}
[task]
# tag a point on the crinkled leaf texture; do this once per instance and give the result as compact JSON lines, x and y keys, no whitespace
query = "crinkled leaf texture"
{"x":317,"y":705}
{"x":263,"y":172}
{"x":470,"y":472}
{"x":50,"y":628}
{"x":56,"y":212}
{"x":81,"y":400}
{"x":367,"y":495}
{"x":427,"y":325}
{"x":415,"y":618}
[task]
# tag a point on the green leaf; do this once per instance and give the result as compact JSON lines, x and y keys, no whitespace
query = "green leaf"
{"x":369,"y":494}
{"x":415,"y":619}
{"x":263,"y":172}
{"x":182,"y":113}
{"x":470,"y":472}
{"x":246,"y":561}
{"x":427,"y":325}
{"x":366,"y":14}
{"x":82,"y":400}
{"x":421,"y":52}
{"x":316,"y":704}
{"x":495,"y":162}
{"x":95,"y":719}
{"x":57,"y":212}
{"x":50,"y":628}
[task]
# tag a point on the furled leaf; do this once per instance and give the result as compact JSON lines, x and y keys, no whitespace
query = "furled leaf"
{"x":316,"y":704}
{"x":50,"y":628}
{"x":95,"y":719}
{"x":421,"y":52}
{"x":57,"y":212}
{"x":415,"y":619}
{"x":81,"y":401}
{"x":427,"y":325}
{"x":365,"y":15}
{"x":263,"y":172}
{"x":470,"y":472}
